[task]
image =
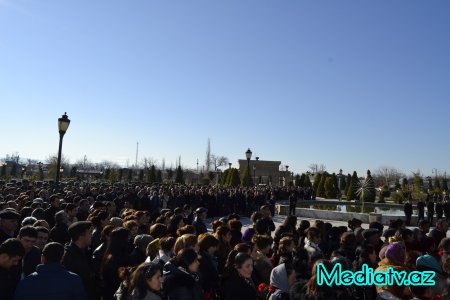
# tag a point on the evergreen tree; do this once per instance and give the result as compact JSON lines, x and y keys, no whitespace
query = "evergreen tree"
{"x":307,"y":183}
{"x":404,"y":183}
{"x":235,"y":180}
{"x":152,"y":174}
{"x":320,"y":192}
{"x":417,"y":183}
{"x":348,"y":184}
{"x":3,"y":170}
{"x":179,"y":175}
{"x":397,"y":184}
{"x":169,"y":174}
{"x":246,"y":178}
{"x":343,"y":183}
{"x":114,"y":175}
{"x":336,"y":182}
{"x":316,"y":182}
{"x":159,"y":176}
{"x":437,"y":184}
{"x":330,"y":188}
{"x":73,"y":172}
{"x":298,"y":180}
{"x":141,"y":175}
{"x":301,"y":181}
{"x":444,"y":184}
{"x":430,"y":183}
{"x":223,"y":177}
{"x":351,"y":193}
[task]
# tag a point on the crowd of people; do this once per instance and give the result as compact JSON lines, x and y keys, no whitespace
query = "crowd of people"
{"x":102,"y":241}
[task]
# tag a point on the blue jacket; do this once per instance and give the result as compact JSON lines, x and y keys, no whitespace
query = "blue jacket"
{"x":51,"y":281}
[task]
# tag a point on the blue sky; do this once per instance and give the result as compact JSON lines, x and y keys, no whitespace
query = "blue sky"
{"x":349,"y":84}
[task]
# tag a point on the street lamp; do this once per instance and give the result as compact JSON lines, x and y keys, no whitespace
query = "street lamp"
{"x":286,"y":176}
{"x":254,"y":174}
{"x":23,"y":171}
{"x":63,"y":124}
{"x":435,"y":173}
{"x":61,"y":171}
{"x":340,"y":176}
{"x":229,"y":165}
{"x":248,"y":155}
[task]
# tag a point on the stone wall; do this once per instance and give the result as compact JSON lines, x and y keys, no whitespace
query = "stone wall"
{"x":340,"y":216}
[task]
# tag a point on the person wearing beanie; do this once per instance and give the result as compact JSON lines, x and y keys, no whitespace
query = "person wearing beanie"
{"x":394,"y":258}
{"x":430,"y":263}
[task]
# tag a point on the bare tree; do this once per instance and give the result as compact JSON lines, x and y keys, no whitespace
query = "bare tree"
{"x":150,"y":161}
{"x":387,"y":175}
{"x":218,"y":161}
{"x":208,"y":156}
{"x":316,"y":168}
{"x":106,"y":164}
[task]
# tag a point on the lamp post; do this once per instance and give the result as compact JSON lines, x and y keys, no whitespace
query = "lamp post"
{"x":23,"y":171}
{"x":286,"y":176}
{"x":248,"y":155}
{"x":229,"y":165}
{"x":61,"y":171}
{"x":63,"y":124}
{"x":435,"y":174}
{"x":254,"y":175}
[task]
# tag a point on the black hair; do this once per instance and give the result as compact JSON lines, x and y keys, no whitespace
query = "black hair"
{"x":78,"y":229}
{"x":42,"y":229}
{"x":185,"y":257}
{"x":53,"y":252}
{"x":138,"y":281}
{"x":12,"y":247}
{"x":167,"y":243}
{"x":240,"y":259}
{"x":29,"y":231}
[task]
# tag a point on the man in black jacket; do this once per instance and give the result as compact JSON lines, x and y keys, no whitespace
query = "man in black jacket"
{"x":11,"y":253}
{"x":421,"y":209}
{"x":60,"y":233}
{"x":430,"y":211}
{"x":76,"y":258}
{"x":269,"y":225}
{"x":9,"y":220}
{"x":408,"y":209}
{"x":199,"y":224}
{"x":52,"y":210}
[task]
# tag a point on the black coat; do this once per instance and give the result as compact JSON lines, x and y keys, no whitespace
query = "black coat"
{"x":4,"y":236}
{"x":26,"y":266}
{"x":50,"y":215}
{"x":180,"y":285}
{"x":209,"y":275}
{"x":77,"y":260}
{"x":200,"y":226}
{"x":236,"y":288}
{"x":408,"y":209}
{"x":137,"y":257}
{"x":60,"y":234}
{"x":8,"y":283}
